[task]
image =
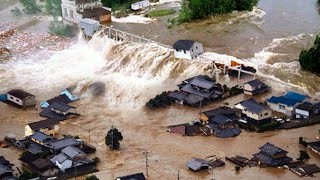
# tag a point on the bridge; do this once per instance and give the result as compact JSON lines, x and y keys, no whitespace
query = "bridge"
{"x":120,"y":35}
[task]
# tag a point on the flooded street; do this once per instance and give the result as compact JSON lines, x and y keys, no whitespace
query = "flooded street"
{"x":270,"y":37}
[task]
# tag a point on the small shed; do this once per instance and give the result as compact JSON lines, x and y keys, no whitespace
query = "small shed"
{"x":88,"y":26}
{"x":187,"y":49}
{"x":21,"y":98}
{"x":139,"y":5}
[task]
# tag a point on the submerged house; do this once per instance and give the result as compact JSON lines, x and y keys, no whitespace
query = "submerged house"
{"x":21,"y":98}
{"x":187,"y":49}
{"x":196,"y":91}
{"x":287,"y":103}
{"x":271,"y":155}
{"x":137,"y":176}
{"x":48,"y":126}
{"x":88,"y":27}
{"x":41,"y":138}
{"x":255,"y":87}
{"x":254,"y":113}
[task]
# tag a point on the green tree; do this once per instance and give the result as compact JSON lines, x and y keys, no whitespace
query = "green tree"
{"x":113,"y":138}
{"x":310,"y":59}
{"x":197,"y":9}
{"x":303,"y":155}
{"x":60,"y":29}
{"x":53,"y":7}
{"x":25,"y":175}
{"x":92,"y":177}
{"x":30,"y":6}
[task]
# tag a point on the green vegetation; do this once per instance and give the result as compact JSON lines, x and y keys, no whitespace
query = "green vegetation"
{"x":161,"y":100}
{"x":310,"y":59}
{"x":113,"y":138}
{"x":118,"y":4}
{"x":303,"y":155}
{"x":30,"y":6}
{"x":197,"y":9}
{"x":16,"y":11}
{"x":25,"y":175}
{"x":96,"y":160}
{"x":269,"y":127}
{"x":162,"y":12}
{"x":303,"y":142}
{"x":61,"y":29}
{"x":237,"y":168}
{"x":53,"y":7}
{"x":92,"y":177}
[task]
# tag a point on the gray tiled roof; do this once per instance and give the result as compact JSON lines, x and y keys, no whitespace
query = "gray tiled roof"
{"x":183,"y":44}
{"x":193,"y":99}
{"x":59,"y":158}
{"x":39,"y":136}
{"x":226,"y":133}
{"x":197,"y":164}
{"x":187,"y":88}
{"x":72,"y":151}
{"x":62,"y":143}
{"x":256,"y":83}
{"x":177,"y":95}
{"x":43,"y":124}
{"x":252,"y":106}
{"x":271,"y":149}
{"x":202,"y":83}
{"x":61,"y":106}
{"x":220,"y":119}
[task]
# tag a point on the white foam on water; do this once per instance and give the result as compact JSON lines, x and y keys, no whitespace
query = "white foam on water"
{"x":138,"y":19}
{"x":255,"y":16}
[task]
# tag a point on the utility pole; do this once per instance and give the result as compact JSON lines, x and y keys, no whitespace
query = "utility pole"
{"x":178,"y":174}
{"x":146,"y":155}
{"x":112,"y":137}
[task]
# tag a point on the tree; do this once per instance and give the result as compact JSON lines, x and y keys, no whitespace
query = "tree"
{"x":53,"y":7}
{"x":303,"y":155}
{"x":113,"y":139}
{"x":92,"y":177}
{"x":30,"y":6}
{"x":25,"y":175}
{"x":197,"y":9}
{"x":310,"y":59}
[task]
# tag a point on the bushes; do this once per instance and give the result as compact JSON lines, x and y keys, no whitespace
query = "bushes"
{"x":197,"y":9}
{"x":310,"y":59}
{"x":61,"y":29}
{"x":30,"y":6}
{"x":161,"y":100}
{"x":162,"y":12}
{"x":269,"y":126}
{"x":303,"y":155}
{"x":303,"y":142}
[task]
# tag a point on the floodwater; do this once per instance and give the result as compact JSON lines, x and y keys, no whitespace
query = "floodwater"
{"x":133,"y":73}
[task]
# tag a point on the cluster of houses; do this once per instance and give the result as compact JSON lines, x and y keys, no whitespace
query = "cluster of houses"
{"x":201,"y":90}
{"x":225,"y":121}
{"x":269,"y":155}
{"x":55,"y":157}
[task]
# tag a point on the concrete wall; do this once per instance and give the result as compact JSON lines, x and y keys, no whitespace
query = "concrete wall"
{"x":288,"y":110}
{"x":15,"y":100}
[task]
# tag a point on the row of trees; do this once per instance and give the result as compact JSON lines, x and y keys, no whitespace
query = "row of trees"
{"x":52,"y":7}
{"x":197,"y":9}
{"x":310,"y":59}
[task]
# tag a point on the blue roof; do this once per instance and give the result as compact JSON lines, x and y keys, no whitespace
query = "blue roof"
{"x":295,"y":96}
{"x":289,"y":99}
{"x":282,"y":100}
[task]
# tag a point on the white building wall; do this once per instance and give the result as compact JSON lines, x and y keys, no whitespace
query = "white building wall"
{"x":181,"y":54}
{"x":301,"y":113}
{"x":15,"y":100}
{"x":276,"y":107}
{"x":196,"y":49}
{"x":69,"y":11}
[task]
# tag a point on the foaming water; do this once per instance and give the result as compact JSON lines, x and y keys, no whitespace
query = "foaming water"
{"x":131,"y":72}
